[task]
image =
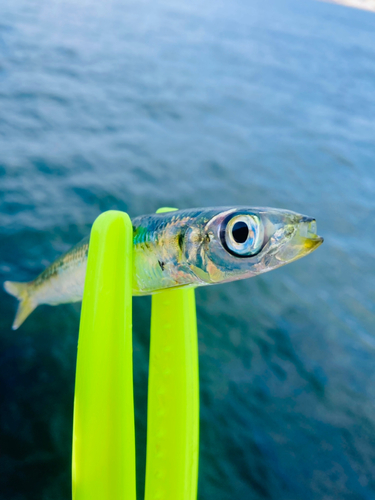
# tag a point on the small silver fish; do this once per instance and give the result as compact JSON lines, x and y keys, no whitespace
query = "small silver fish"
{"x":186,"y":248}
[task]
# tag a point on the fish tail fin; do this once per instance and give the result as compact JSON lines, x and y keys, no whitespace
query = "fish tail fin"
{"x":26,"y":305}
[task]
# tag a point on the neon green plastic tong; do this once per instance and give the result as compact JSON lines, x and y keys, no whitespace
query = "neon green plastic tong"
{"x":103,"y":464}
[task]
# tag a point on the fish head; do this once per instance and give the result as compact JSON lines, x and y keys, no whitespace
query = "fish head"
{"x":242,"y":242}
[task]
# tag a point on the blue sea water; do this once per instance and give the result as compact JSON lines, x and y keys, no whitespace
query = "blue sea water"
{"x":136,"y":105}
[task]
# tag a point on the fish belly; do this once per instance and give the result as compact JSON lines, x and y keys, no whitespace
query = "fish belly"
{"x":64,"y":286}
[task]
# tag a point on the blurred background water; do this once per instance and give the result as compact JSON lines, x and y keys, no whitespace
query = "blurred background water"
{"x":136,"y":105}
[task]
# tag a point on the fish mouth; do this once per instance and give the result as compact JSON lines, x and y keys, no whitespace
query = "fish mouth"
{"x":303,"y":240}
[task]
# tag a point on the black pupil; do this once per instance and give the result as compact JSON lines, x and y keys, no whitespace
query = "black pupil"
{"x":240,"y":232}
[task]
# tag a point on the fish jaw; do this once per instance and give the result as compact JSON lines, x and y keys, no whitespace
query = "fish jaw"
{"x":302,"y":241}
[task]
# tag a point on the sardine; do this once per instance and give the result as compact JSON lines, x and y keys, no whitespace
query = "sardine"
{"x":183,"y":248}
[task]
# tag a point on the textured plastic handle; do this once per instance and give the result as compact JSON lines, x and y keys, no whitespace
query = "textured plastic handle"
{"x":103,"y":428}
{"x":173,"y":397}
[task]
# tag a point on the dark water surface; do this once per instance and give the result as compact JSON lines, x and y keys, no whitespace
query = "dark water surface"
{"x":136,"y":105}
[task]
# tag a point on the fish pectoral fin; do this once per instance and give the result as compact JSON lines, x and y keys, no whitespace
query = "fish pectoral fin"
{"x":203,"y":276}
{"x":26,"y":305}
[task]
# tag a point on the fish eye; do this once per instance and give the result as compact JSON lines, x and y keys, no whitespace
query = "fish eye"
{"x":243,"y":235}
